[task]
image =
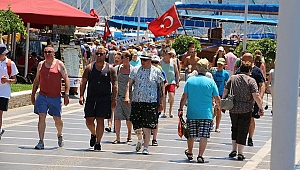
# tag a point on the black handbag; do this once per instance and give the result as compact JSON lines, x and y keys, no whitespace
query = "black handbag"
{"x":185,"y":128}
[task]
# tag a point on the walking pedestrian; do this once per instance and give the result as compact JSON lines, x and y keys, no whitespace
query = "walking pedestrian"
{"x":48,"y":78}
{"x":8,"y":72}
{"x":257,"y":74}
{"x":199,"y":91}
{"x":220,"y":77}
{"x":145,"y":79}
{"x":122,"y":111}
{"x":245,"y":91}
{"x":171,"y":70}
{"x":100,"y":76}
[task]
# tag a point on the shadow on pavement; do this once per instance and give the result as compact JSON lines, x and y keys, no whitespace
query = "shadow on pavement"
{"x":32,"y":148}
{"x":126,"y":153}
{"x":186,"y":161}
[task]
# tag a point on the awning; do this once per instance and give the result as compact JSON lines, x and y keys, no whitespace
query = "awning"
{"x":270,"y":9}
{"x":235,"y":19}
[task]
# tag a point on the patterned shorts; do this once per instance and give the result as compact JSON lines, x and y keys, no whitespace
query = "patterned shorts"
{"x":199,"y":128}
{"x":143,"y":115}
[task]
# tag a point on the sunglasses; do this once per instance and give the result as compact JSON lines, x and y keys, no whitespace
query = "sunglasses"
{"x":154,"y":62}
{"x":101,"y":54}
{"x":144,"y":59}
{"x":47,"y":52}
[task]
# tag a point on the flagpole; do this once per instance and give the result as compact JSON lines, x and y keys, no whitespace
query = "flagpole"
{"x":139,"y":23}
{"x":180,"y":17}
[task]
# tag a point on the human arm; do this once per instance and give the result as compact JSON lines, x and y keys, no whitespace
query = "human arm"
{"x":218,"y":102}
{"x":114,"y":82}
{"x":258,"y":100}
{"x":64,"y":74}
{"x":36,"y":83}
{"x":83,"y":83}
{"x":11,"y":80}
{"x":161,"y":90}
{"x":182,"y":103}
{"x":177,"y":75}
{"x":128,"y":87}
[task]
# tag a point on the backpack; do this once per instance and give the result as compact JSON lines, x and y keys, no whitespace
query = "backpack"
{"x":88,"y":51}
{"x":8,"y":65}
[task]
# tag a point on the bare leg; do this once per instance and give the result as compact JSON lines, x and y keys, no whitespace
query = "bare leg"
{"x":202,"y":145}
{"x":251,"y":128}
{"x":118,"y":129}
{"x":42,"y":125}
{"x":234,"y":145}
{"x":240,"y":148}
{"x":58,"y":125}
{"x":190,"y":143}
{"x":147,"y":132}
{"x":171,"y":99}
{"x":218,"y":119}
{"x":129,"y":128}
{"x":90,"y":124}
{"x":1,"y":113}
{"x":165,"y":106}
{"x":139,"y":134}
{"x":99,"y":129}
{"x":155,"y":131}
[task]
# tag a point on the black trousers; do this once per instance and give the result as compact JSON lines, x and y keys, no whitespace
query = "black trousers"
{"x":240,"y":126}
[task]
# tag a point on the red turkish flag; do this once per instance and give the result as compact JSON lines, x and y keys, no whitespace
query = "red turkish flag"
{"x":93,"y":13}
{"x":166,"y":23}
{"x":106,"y":30}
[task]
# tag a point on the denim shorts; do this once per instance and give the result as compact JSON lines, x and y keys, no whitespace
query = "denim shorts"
{"x":50,"y":105}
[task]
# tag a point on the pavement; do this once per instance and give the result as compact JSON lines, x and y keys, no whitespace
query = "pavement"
{"x":17,"y":144}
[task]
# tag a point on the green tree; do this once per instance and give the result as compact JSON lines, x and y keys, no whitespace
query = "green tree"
{"x":10,"y":22}
{"x":180,"y":44}
{"x":266,"y":46}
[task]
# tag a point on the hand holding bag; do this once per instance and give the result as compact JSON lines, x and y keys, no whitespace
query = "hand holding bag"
{"x":184,"y":126}
{"x":227,"y":103}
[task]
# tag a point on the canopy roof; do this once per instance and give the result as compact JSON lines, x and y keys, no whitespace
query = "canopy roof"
{"x":132,"y":22}
{"x":270,"y":9}
{"x":48,"y":12}
{"x":235,"y":19}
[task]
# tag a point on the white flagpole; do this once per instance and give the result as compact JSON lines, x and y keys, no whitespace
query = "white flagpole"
{"x":139,"y":23}
{"x":245,"y":25}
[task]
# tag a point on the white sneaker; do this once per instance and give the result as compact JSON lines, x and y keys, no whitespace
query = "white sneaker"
{"x":145,"y":151}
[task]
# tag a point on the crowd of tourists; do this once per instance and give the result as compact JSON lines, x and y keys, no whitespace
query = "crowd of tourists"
{"x":133,"y":84}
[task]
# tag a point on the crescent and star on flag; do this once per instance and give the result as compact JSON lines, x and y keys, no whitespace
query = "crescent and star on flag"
{"x":171,"y":22}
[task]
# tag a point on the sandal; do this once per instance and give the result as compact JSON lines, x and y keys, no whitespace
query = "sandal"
{"x":116,"y":142}
{"x":232,"y":154}
{"x":241,"y":157}
{"x":164,"y":116}
{"x":188,"y":155}
{"x":129,"y":140}
{"x":217,"y":130}
{"x":200,"y":159}
{"x":171,"y":116}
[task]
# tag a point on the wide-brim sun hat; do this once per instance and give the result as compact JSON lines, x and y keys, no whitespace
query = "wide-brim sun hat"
{"x":146,"y":55}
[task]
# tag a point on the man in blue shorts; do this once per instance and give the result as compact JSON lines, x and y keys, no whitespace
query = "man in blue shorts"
{"x":48,"y":77}
{"x":199,"y":91}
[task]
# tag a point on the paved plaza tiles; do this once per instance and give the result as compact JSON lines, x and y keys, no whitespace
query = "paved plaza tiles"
{"x":17,"y":145}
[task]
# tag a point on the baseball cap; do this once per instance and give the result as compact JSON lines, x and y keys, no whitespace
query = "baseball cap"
{"x":123,"y":49}
{"x":3,"y":49}
{"x":221,"y":61}
{"x":203,"y":63}
{"x":221,"y":48}
{"x":155,"y":58}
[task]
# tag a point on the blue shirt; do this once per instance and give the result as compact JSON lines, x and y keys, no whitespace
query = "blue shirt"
{"x":200,"y":90}
{"x":221,"y":78}
{"x":135,"y":63}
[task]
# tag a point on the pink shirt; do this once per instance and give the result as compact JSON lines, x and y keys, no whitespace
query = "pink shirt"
{"x":230,"y":58}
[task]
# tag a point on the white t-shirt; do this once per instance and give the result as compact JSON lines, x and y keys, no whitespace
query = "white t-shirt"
{"x":5,"y":88}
